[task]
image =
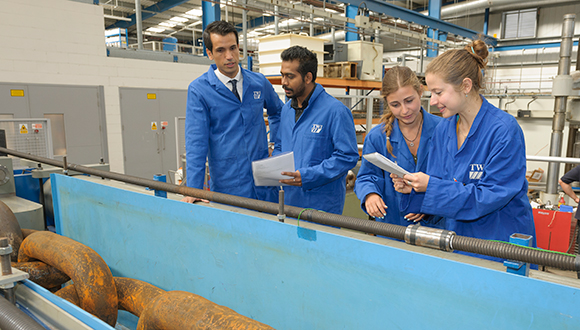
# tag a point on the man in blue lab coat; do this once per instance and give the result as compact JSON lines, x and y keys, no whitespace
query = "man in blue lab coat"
{"x":224,"y":121}
{"x":319,"y":129}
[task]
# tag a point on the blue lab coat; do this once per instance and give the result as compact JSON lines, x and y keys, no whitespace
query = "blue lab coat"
{"x":481,"y":189}
{"x":230,"y":133}
{"x":325,"y":149}
{"x":372,"y":179}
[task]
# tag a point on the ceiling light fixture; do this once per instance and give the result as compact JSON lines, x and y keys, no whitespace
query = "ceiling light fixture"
{"x":179,"y":19}
{"x":168,"y":24}
{"x":155,"y":29}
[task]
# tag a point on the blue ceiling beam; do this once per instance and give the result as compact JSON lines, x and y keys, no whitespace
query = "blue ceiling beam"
{"x":418,"y":18}
{"x":256,"y":22}
{"x":148,"y":12}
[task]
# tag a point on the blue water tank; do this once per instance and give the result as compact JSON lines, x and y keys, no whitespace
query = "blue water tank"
{"x":170,"y":44}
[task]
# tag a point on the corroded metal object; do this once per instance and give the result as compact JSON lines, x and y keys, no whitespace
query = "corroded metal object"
{"x":10,"y":228}
{"x":42,"y":274}
{"x":134,"y":295}
{"x":171,"y":310}
{"x":69,"y":293}
{"x":92,"y":277}
{"x":185,"y":311}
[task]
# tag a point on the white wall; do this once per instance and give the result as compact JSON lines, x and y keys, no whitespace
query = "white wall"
{"x":63,"y":42}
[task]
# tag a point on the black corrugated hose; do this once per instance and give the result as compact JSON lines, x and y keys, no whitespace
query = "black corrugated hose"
{"x":508,"y":251}
{"x":12,"y":318}
{"x":460,"y":243}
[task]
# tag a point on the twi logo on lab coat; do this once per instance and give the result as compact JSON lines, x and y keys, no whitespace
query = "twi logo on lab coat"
{"x":316,"y":128}
{"x":257,"y":95}
{"x":476,"y":171}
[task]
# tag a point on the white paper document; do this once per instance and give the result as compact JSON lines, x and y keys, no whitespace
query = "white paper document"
{"x":267,"y":171}
{"x":385,"y":164}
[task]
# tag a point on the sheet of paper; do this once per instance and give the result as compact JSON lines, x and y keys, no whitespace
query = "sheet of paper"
{"x":385,"y":164}
{"x":267,"y":171}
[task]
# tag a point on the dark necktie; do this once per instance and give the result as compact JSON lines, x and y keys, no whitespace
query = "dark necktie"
{"x":235,"y":88}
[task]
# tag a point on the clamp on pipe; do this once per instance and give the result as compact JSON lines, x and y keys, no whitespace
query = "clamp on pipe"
{"x":281,"y":214}
{"x":429,"y":237}
{"x":9,"y":275}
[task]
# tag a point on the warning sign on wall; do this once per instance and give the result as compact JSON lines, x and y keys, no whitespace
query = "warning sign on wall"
{"x":17,"y":92}
{"x":36,"y":126}
{"x":164,"y":124}
{"x":153,"y":125}
{"x":23,"y":128}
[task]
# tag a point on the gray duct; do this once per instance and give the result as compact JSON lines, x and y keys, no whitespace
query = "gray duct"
{"x":479,"y":6}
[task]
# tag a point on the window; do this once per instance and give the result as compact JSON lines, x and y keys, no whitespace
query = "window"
{"x":520,"y":23}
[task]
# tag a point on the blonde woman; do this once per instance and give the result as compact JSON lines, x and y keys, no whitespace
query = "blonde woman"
{"x":403,"y":136}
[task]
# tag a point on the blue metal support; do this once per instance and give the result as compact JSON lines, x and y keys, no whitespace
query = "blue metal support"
{"x":148,"y":12}
{"x":211,"y":13}
{"x":250,"y":65}
{"x":486,"y":21}
{"x":160,"y":178}
{"x":258,"y":21}
{"x":388,"y":9}
{"x":518,"y":267}
{"x":435,"y":12}
{"x":351,"y":12}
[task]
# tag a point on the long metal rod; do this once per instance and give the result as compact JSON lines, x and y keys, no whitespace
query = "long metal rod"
{"x":245,"y":32}
{"x":460,"y":243}
{"x":139,"y":24}
{"x":559,"y":121}
{"x":567,"y":160}
{"x":276,"y":20}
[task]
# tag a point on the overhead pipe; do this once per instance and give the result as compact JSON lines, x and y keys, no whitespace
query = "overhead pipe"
{"x":462,"y":9}
{"x":559,"y":121}
{"x":458,"y":243}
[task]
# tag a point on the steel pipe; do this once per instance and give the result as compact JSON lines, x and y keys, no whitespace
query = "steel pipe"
{"x":139,"y":23}
{"x":374,"y":227}
{"x":559,"y":120}
{"x":532,"y":158}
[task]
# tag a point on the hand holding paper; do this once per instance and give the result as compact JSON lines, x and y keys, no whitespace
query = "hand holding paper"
{"x":268,"y":171}
{"x":385,"y":164}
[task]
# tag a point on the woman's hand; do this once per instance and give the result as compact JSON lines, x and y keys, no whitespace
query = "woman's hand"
{"x":417,"y":181}
{"x":400,"y":185}
{"x":415,"y":217}
{"x":375,"y":206}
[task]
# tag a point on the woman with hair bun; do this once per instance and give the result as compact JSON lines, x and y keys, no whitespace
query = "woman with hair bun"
{"x":477,"y":162}
{"x":403,"y":136}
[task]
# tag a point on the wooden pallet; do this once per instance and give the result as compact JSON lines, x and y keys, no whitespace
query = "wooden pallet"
{"x":342,"y":70}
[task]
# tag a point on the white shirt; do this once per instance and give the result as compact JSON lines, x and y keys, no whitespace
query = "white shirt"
{"x":226,"y":80}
